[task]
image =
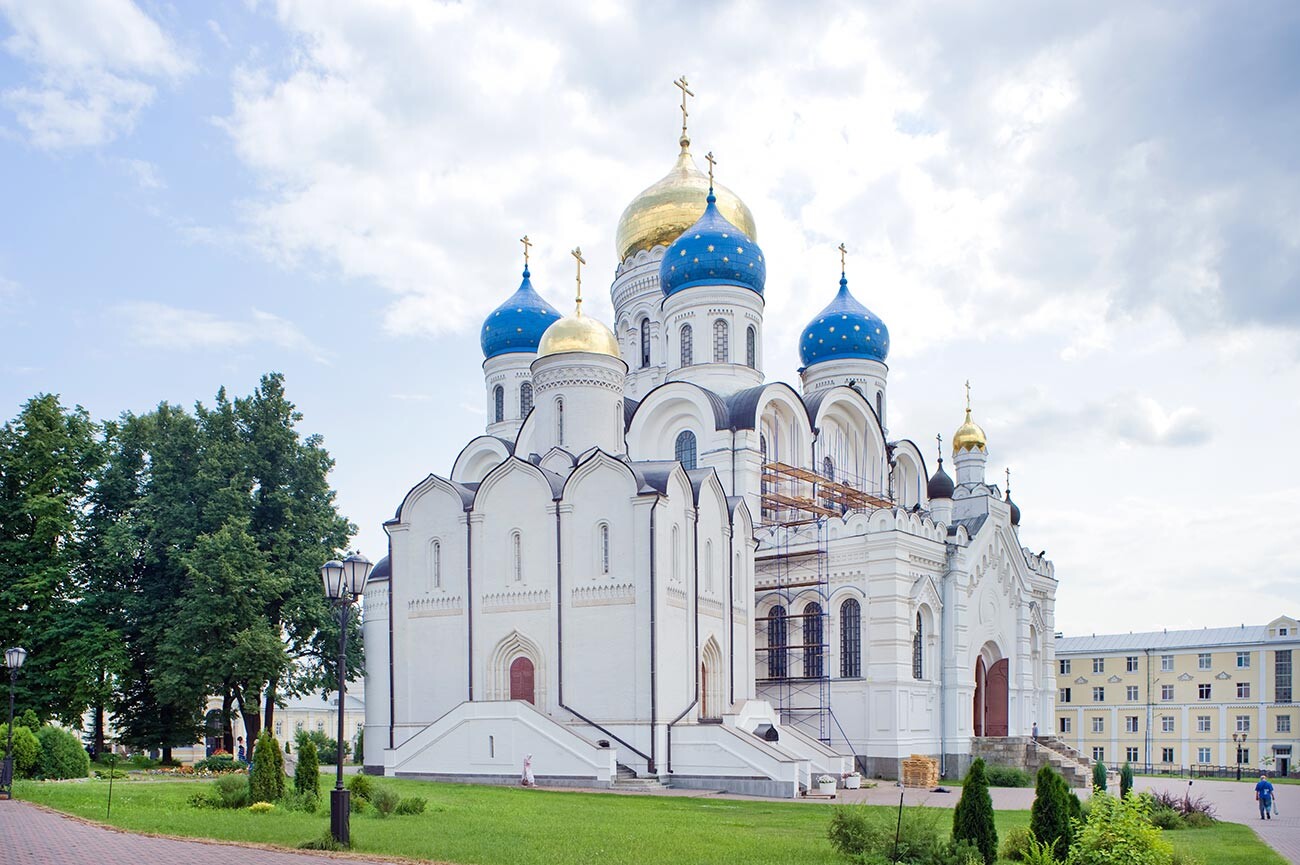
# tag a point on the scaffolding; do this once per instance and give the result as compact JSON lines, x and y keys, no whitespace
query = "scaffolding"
{"x":792,"y":580}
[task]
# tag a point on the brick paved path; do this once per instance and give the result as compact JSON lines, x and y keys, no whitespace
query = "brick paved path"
{"x":34,"y":836}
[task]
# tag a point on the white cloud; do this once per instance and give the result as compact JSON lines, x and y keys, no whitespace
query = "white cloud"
{"x":93,"y":64}
{"x":144,"y":173}
{"x":157,"y":325}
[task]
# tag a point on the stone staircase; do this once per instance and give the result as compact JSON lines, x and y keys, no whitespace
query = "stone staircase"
{"x":626,"y":779}
{"x":1025,"y":753}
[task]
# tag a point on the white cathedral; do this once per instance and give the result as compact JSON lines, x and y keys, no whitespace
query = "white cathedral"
{"x":656,"y":564}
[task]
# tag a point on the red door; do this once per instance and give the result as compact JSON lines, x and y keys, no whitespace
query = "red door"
{"x":995,"y":699}
{"x":521,"y":680}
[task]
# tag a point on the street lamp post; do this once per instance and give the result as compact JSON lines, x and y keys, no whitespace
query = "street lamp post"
{"x":1240,"y":739}
{"x":344,"y":582}
{"x":14,"y":658}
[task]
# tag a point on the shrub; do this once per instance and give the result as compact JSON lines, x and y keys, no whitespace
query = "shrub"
{"x":973,"y":818}
{"x":1119,"y":830}
{"x":305,"y":802}
{"x":1125,"y":779}
{"x":1039,"y":853}
{"x":326,"y":748}
{"x":1198,"y":820}
{"x":29,"y":720}
{"x":232,"y":791}
{"x":27,"y":750}
{"x":867,"y":836}
{"x":306,"y":776}
{"x":142,"y":761}
{"x":1049,"y":818}
{"x":266,"y":780}
{"x":1166,"y":818}
{"x":261,"y":807}
{"x":362,"y":787}
{"x":411,"y":805}
{"x":1015,"y":843}
{"x":61,"y":754}
{"x":1186,"y":806}
{"x":217,"y":764}
{"x":324,"y":842}
{"x":1007,"y":776}
{"x":1099,"y":776}
{"x":385,"y":801}
{"x":110,"y":773}
{"x":203,"y":800}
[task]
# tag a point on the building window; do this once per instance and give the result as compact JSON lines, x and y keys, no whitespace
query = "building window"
{"x":1243,"y":723}
{"x":1166,"y":663}
{"x":604,"y":548}
{"x":1131,"y":664}
{"x":1166,"y":755}
{"x":1203,"y":755}
{"x":1131,"y":754}
{"x":812,"y":641}
{"x":1202,"y":723}
{"x":828,"y":468}
{"x":688,"y":345}
{"x":880,"y":407}
{"x":320,"y":726}
{"x":721,"y":351}
{"x":525,"y":398}
{"x":1064,"y":696}
{"x":1203,"y":692}
{"x":1064,"y":724}
{"x":918,"y":669}
{"x":1203,"y":660}
{"x":1063,"y":665}
{"x":1130,"y":723}
{"x":1166,"y":723}
{"x":645,"y":343}
{"x":1282,"y":676}
{"x":776,"y":651}
{"x":1099,"y":665}
{"x":1166,"y":692}
{"x":1099,"y":724}
{"x":1284,"y":723}
{"x":517,"y":551}
{"x":1243,"y":690}
{"x":684,"y":449}
{"x":1243,"y":660}
{"x":850,"y":639}
{"x":435,"y":565}
{"x":751,"y":347}
{"x":1099,"y":754}
{"x":498,"y":404}
{"x":279,"y":728}
{"x":1099,"y":694}
{"x":1245,"y":757}
{"x":559,"y":420}
{"x":1131,"y":693}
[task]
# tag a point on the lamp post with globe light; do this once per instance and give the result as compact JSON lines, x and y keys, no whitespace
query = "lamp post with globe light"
{"x":344,"y":582}
{"x":14,"y":658}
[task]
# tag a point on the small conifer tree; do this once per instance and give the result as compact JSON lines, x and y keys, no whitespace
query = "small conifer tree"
{"x":1125,"y":779}
{"x":973,"y":818}
{"x":1099,"y":776}
{"x":306,"y":777}
{"x":1049,"y":819}
{"x":266,"y":780}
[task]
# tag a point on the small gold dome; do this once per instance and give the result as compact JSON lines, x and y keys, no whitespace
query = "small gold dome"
{"x":577,"y":332}
{"x":969,"y":436}
{"x":665,"y":209}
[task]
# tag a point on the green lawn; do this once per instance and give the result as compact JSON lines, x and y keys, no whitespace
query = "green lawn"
{"x":491,"y":825}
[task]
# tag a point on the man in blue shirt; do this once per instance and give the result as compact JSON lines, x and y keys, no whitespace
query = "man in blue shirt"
{"x":1264,"y":795}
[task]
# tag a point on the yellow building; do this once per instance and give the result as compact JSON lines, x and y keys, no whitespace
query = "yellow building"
{"x":1181,"y":700}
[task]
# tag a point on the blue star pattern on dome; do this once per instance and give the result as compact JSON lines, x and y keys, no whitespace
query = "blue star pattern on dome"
{"x":712,"y":252}
{"x":844,"y":329}
{"x":518,"y":324}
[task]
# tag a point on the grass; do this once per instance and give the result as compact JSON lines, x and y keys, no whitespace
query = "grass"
{"x":499,"y":825}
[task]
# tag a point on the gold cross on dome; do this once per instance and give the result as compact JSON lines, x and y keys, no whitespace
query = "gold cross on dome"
{"x":843,"y":254}
{"x":577,"y":254}
{"x":527,"y":243}
{"x":708,"y":157}
{"x":682,"y":85}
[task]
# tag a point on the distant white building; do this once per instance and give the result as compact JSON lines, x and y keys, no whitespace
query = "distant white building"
{"x":655,"y":559}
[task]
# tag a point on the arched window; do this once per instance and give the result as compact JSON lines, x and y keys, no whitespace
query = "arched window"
{"x":645,"y":342}
{"x":435,"y":565}
{"x":828,"y":468}
{"x":604,"y":548}
{"x":751,"y":347}
{"x":917,"y":669}
{"x":684,"y":450}
{"x":498,"y":404}
{"x":850,"y":639}
{"x":721,"y":351}
{"x":559,"y":420}
{"x":776,"y":643}
{"x":880,"y":407}
{"x":688,"y":348}
{"x":525,"y":398}
{"x":812,"y":640}
{"x":517,"y":553}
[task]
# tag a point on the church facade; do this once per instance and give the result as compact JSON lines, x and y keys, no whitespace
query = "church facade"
{"x":656,"y":563}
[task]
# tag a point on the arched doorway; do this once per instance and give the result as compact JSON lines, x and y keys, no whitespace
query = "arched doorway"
{"x":991,"y":695}
{"x":711,"y":681}
{"x":521,"y":680}
{"x":977,"y":710}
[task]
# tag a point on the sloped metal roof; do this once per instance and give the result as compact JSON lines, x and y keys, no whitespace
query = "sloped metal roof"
{"x":1193,"y":639}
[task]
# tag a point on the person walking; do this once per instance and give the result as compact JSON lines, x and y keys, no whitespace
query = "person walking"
{"x":1034,"y":731}
{"x":1264,"y":795}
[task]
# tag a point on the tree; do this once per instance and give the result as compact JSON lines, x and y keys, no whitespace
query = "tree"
{"x":973,"y":818}
{"x":306,"y":775}
{"x":266,"y":780}
{"x":1125,"y":779}
{"x":1049,"y":818}
{"x":27,"y":750}
{"x":1099,"y":776}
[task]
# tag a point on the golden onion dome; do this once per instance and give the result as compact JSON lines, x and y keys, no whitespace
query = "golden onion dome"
{"x":969,"y":436}
{"x":578,"y":332}
{"x":666,"y":208}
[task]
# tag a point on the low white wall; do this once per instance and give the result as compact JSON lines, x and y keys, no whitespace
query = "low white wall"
{"x":720,"y":753}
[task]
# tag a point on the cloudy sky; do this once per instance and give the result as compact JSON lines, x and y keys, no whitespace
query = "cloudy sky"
{"x":1091,"y":211}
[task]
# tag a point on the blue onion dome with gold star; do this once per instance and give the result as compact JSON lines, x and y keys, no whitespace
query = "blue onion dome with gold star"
{"x":844,"y":329}
{"x":713,"y":251}
{"x":518,"y":324}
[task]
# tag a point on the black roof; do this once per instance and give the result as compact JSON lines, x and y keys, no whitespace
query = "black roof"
{"x":940,"y":486}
